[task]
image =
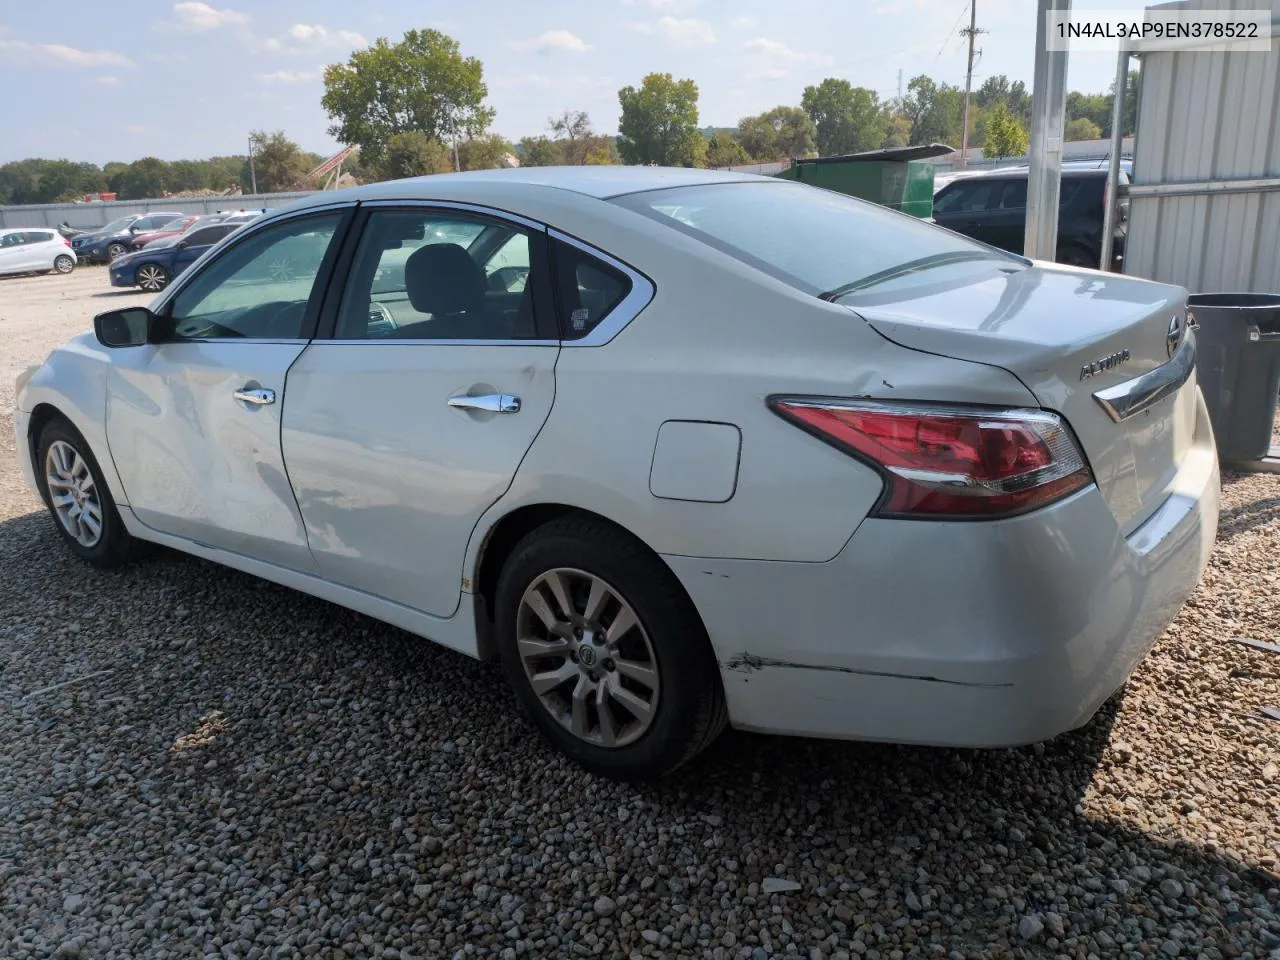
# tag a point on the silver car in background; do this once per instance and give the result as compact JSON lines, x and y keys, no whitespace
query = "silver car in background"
{"x":680,"y":448}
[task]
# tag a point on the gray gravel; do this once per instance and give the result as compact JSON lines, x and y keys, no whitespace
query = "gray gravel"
{"x":261,"y":774}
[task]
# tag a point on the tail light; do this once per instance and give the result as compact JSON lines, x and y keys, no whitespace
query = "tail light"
{"x":949,"y":463}
{"x":67,"y":241}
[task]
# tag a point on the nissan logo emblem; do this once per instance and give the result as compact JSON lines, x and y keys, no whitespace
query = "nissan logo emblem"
{"x":1174,"y":336}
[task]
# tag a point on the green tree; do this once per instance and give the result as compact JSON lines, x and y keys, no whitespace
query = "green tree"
{"x":848,"y":118}
{"x":540,"y":151}
{"x":603,"y":151}
{"x":723,"y":150}
{"x":659,"y":122}
{"x":278,"y":163}
{"x":778,"y":133}
{"x":936,"y":111}
{"x":421,"y":83}
{"x":142,"y":180}
{"x":897,"y":131}
{"x":1082,"y":128}
{"x":18,"y":183}
{"x":572,"y":130}
{"x":486,"y":152}
{"x":414,"y":154}
{"x":1003,"y":135}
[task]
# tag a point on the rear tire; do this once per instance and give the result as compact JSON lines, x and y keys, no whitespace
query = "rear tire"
{"x":1071,"y":255}
{"x":64,"y":263}
{"x":78,"y":500}
{"x":652,"y":689}
{"x":116,"y":250}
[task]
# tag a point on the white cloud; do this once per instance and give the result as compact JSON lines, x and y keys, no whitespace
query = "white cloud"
{"x":195,"y":17}
{"x":287,"y":76}
{"x":677,"y":32}
{"x":107,"y":81}
{"x":775,"y":52}
{"x":560,"y":40}
{"x":136,"y":128}
{"x":312,"y":37}
{"x":744,"y":23}
{"x":37,"y":53}
{"x":769,"y":73}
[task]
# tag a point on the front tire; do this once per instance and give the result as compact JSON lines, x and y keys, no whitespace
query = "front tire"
{"x":64,"y":263}
{"x":78,"y":499}
{"x":152,"y":277}
{"x":606,"y":652}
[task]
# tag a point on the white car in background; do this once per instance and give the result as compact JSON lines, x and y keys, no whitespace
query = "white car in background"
{"x":680,"y":448}
{"x":35,"y":250}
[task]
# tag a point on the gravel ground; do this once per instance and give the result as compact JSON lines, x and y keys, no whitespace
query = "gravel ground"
{"x":247,"y":772}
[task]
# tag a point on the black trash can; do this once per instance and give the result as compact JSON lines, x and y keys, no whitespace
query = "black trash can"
{"x":1238,"y":367}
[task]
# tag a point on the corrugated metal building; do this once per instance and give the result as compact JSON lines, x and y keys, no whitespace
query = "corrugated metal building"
{"x":1205,"y":196}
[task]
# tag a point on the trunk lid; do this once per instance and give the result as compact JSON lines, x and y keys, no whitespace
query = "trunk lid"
{"x":1068,"y":336}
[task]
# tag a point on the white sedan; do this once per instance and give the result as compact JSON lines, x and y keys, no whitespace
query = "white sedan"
{"x":35,"y":250}
{"x":679,"y":448}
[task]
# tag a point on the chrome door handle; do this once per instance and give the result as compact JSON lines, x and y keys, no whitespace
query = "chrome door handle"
{"x":259,"y":396}
{"x":489,"y":403}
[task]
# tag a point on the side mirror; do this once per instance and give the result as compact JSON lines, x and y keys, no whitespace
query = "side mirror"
{"x":123,"y":328}
{"x":182,"y":244}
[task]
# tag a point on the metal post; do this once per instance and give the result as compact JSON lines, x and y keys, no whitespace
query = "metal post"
{"x":1113,"y":164}
{"x":1048,"y":117}
{"x":253,"y":175}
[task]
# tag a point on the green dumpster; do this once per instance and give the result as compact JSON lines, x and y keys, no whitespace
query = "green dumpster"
{"x":898,"y":177}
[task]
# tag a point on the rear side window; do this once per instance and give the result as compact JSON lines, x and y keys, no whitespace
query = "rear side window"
{"x":38,"y":236}
{"x":1013,"y":195}
{"x":967,"y":197}
{"x":587,"y":289}
{"x":816,"y":240}
{"x":1068,"y":191}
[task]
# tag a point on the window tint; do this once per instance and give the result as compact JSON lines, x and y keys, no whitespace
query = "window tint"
{"x":37,"y":236}
{"x":205,"y":235}
{"x":587,"y":289}
{"x":1013,"y":195}
{"x":11,"y":240}
{"x":257,"y":288}
{"x":1067,"y":192}
{"x":426,"y":275}
{"x":968,"y":196}
{"x":816,"y":240}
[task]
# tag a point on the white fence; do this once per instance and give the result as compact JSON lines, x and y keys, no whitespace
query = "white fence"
{"x":90,"y":215}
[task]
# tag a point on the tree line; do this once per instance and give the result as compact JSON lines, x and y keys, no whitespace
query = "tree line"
{"x":418,"y":106}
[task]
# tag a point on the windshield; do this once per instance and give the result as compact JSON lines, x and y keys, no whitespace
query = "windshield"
{"x":817,"y":240}
{"x":115,"y":226}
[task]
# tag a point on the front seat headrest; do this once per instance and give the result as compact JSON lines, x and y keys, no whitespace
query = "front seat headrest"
{"x":441,"y":278}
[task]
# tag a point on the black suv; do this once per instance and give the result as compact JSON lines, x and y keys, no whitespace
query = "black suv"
{"x":992,"y":207}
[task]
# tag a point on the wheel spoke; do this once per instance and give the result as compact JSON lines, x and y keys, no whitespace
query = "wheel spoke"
{"x":578,"y":720}
{"x":555,"y":583}
{"x":640,"y":709}
{"x":608,"y":734}
{"x":91,"y":523}
{"x":91,"y":509}
{"x":624,"y":621}
{"x":638,"y":672}
{"x":77,"y":465}
{"x":544,"y":683}
{"x":62,"y":501}
{"x":58,"y":453}
{"x":599,"y":596}
{"x":86,"y":482}
{"x":534,"y":649}
{"x":536,"y":602}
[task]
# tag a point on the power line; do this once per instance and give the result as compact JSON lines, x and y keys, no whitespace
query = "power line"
{"x":952,"y":31}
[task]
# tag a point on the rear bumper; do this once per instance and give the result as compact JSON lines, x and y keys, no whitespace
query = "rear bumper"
{"x":957,"y":634}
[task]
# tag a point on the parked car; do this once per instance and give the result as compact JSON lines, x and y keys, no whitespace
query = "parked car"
{"x":171,"y":229}
{"x":113,"y":240}
{"x":35,"y":250}
{"x":679,"y":448}
{"x":992,"y":207}
{"x":153,"y":268}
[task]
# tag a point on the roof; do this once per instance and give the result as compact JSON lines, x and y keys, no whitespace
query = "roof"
{"x":897,"y":154}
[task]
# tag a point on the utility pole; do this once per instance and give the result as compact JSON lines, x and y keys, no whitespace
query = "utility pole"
{"x":253,"y":176}
{"x":972,"y":32}
{"x":899,"y":84}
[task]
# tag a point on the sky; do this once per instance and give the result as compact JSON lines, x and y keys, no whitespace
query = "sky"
{"x":93,"y":81}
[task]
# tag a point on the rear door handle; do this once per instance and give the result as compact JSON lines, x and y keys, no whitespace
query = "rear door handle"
{"x":258,"y":396}
{"x":489,"y":403}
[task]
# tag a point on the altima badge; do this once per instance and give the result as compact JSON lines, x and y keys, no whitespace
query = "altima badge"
{"x":1102,"y":364}
{"x":1174,"y":336}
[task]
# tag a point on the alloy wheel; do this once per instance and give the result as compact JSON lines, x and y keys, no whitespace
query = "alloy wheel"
{"x":587,"y":657}
{"x":115,"y":251}
{"x":73,"y":494}
{"x":64,"y":264}
{"x":152,"y":277}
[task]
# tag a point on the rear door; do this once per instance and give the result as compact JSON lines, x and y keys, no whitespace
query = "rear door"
{"x":963,"y":206}
{"x":410,"y":415}
{"x":1005,"y":223}
{"x":11,"y":252}
{"x":193,"y":418}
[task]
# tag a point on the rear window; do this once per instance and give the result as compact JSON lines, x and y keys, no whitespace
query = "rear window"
{"x":816,"y":240}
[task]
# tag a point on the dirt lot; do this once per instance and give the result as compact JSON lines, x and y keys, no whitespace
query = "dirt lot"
{"x":247,"y":772}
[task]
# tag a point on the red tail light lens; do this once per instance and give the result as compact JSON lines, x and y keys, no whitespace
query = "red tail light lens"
{"x":950,"y":462}
{"x":66,"y":241}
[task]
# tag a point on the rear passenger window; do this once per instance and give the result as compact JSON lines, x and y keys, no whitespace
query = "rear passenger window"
{"x":1067,"y":192}
{"x":1013,"y":195}
{"x":588,"y":289}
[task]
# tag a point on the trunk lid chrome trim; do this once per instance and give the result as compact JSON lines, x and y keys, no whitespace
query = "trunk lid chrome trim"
{"x":1128,"y":399}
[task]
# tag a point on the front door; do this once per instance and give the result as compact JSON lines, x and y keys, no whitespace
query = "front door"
{"x":962,"y":206}
{"x":411,"y":420}
{"x":193,"y":419}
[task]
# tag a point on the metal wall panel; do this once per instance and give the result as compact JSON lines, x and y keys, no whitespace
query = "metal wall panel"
{"x":1204,"y":118}
{"x":90,"y":215}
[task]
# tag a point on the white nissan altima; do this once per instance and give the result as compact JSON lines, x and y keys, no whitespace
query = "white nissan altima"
{"x":680,"y":448}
